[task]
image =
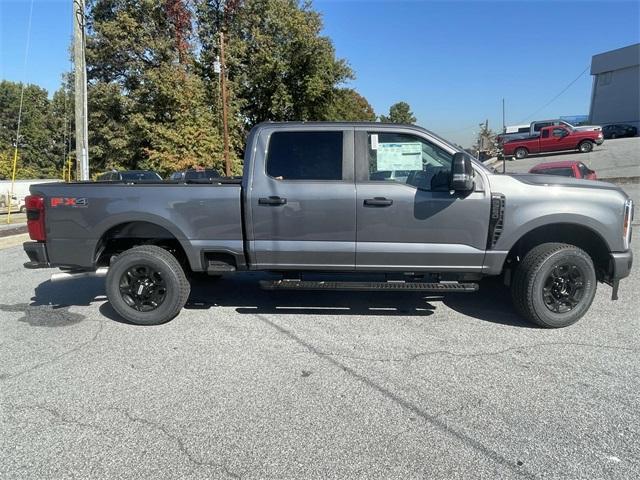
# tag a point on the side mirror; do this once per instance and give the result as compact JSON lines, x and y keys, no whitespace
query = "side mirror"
{"x":461,"y":173}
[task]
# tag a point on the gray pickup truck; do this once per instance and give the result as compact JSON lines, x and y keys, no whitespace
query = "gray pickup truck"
{"x":392,"y":200}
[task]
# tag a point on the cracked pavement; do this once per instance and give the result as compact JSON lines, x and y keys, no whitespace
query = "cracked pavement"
{"x":253,"y":384}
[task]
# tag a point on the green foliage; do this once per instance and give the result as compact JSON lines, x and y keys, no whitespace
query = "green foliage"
{"x":399,"y":113}
{"x":154,"y":97}
{"x":279,"y":63}
{"x":22,"y":171}
{"x":41,"y":145}
{"x":349,"y":105}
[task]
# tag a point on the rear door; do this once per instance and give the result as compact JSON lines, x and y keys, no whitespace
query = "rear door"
{"x":545,"y":141}
{"x":302,"y":199}
{"x":411,"y":221}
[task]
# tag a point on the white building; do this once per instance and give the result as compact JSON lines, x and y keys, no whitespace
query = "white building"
{"x":615,"y":95}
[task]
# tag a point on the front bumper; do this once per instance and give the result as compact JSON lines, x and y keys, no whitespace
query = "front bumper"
{"x":620,"y":264}
{"x":599,"y":141}
{"x":37,"y":253}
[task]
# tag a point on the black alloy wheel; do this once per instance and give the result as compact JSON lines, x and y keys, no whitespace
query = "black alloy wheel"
{"x":147,"y":285}
{"x":143,"y":288}
{"x":563,"y":288}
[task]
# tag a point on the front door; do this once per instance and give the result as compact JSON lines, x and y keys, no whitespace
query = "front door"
{"x":554,"y":139}
{"x":407,"y":219}
{"x":303,"y":200}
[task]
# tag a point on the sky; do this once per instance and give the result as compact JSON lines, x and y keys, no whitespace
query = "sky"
{"x":452,"y":61}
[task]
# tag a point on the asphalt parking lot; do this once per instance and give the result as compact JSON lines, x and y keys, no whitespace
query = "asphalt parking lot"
{"x":252,"y":384}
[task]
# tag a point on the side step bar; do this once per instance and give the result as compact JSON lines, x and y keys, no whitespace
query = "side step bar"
{"x":214,"y":267}
{"x":368,"y":286}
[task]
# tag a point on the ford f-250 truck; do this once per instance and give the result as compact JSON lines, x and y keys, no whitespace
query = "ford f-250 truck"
{"x":553,"y":139}
{"x":342,"y":197}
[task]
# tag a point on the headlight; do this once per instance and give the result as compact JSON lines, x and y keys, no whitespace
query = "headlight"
{"x":626,"y":224}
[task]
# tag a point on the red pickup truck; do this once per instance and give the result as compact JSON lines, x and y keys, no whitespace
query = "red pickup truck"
{"x":553,"y":139}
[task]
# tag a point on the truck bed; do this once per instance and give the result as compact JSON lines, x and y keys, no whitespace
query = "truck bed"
{"x":200,"y":216}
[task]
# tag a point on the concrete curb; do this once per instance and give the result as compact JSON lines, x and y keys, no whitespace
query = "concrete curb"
{"x":13,"y":241}
{"x":11,"y":230}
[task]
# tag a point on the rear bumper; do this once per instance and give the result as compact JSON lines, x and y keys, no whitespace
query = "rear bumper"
{"x":620,"y":264}
{"x":37,"y":253}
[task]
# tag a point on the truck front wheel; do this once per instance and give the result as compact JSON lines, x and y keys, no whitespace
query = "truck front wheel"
{"x":585,"y":147}
{"x":146,"y":285}
{"x":521,"y":153}
{"x":554,"y":285}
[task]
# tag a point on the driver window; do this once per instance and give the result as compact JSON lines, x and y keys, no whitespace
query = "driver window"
{"x":408,"y":159}
{"x":559,"y":132}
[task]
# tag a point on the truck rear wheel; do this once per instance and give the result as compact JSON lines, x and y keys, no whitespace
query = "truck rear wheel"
{"x":586,"y":146}
{"x":146,"y":285}
{"x":521,"y":153}
{"x":554,"y":285}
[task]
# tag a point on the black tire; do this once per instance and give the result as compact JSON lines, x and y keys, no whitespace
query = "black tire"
{"x":613,"y":136}
{"x":585,"y":146}
{"x":521,"y":153}
{"x":171,"y":285}
{"x":534,"y":286}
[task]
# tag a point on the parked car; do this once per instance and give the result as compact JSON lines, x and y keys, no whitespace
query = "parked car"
{"x":129,"y":176}
{"x":568,"y":168}
{"x":553,"y":139}
{"x":194,"y":174}
{"x":308,"y":202}
{"x":619,"y":130}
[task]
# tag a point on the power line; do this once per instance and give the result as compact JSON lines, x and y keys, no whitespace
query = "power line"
{"x":22,"y":88}
{"x":558,"y":95}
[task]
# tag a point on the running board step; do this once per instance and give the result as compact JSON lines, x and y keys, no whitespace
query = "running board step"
{"x":219,"y":267}
{"x":367,"y":286}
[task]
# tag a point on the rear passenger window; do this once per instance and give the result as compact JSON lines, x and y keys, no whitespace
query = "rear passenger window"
{"x":305,"y":156}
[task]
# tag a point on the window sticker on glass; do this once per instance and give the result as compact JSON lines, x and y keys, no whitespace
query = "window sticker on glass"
{"x":374,"y":141}
{"x":399,"y":156}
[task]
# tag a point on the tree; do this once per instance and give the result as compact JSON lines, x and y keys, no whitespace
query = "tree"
{"x":279,"y":64}
{"x":148,"y":107}
{"x":349,"y":105}
{"x":39,"y":146}
{"x":399,"y":113}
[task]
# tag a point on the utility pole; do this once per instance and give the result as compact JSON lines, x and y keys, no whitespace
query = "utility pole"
{"x":82,"y":129}
{"x":225,"y":125}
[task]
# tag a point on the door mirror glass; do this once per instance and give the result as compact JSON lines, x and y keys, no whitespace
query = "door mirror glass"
{"x":461,"y":173}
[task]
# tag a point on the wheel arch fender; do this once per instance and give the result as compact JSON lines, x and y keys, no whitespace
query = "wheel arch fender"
{"x":574,"y":229}
{"x":141,"y":222}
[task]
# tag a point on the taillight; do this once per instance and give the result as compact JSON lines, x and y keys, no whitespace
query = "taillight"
{"x":35,"y":217}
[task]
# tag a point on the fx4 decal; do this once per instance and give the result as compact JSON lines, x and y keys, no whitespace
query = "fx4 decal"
{"x":69,"y":202}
